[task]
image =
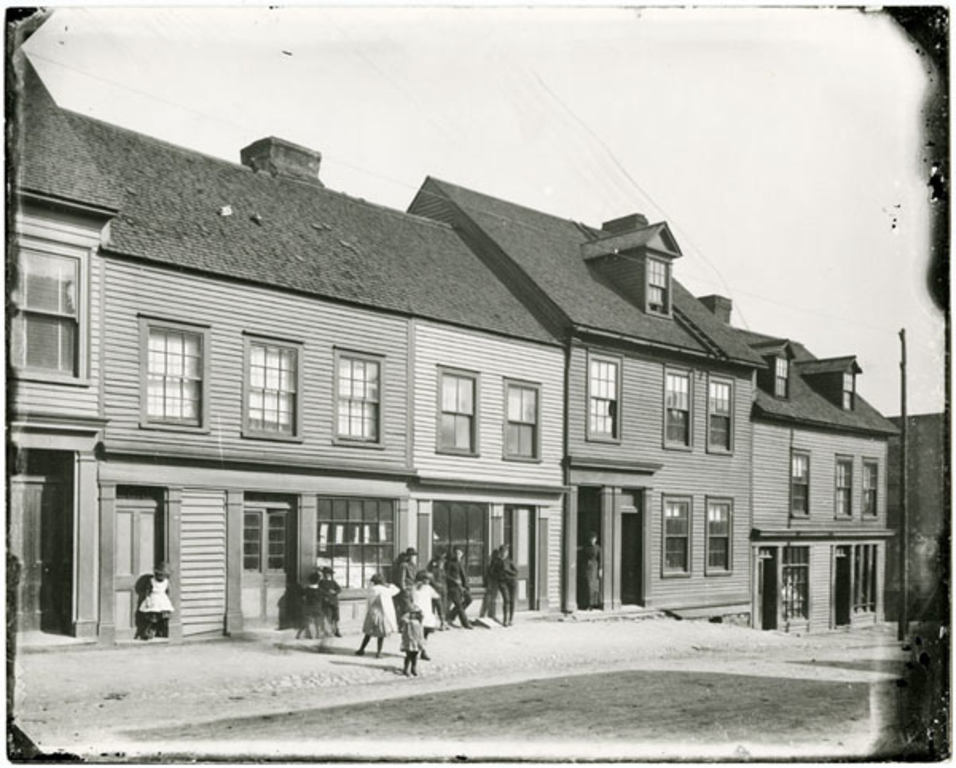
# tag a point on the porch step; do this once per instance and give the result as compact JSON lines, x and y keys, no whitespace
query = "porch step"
{"x":625,"y":613}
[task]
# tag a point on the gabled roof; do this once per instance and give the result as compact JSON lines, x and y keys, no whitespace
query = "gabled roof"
{"x":50,"y":159}
{"x":846,"y":364}
{"x":654,"y":237}
{"x":548,"y":249}
{"x":283,"y":233}
{"x":805,"y":405}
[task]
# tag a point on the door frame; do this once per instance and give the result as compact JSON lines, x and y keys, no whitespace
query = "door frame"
{"x":263,"y":507}
{"x":530,"y":602}
{"x":157,"y":496}
{"x":773,"y":557}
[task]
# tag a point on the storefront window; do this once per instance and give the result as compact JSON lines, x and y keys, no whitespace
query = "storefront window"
{"x":796,"y":579}
{"x":456,"y":524}
{"x":355,"y":538}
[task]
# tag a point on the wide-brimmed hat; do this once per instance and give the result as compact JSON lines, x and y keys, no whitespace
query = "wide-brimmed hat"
{"x":163,"y":569}
{"x":411,"y":551}
{"x":327,"y":569}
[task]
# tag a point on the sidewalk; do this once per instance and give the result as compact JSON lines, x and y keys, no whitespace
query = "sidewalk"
{"x":87,"y":701}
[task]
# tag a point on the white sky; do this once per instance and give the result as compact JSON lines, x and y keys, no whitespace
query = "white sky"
{"x":780,"y":144}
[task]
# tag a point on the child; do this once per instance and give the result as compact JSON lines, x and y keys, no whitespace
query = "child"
{"x":413,"y":639}
{"x":329,"y":590}
{"x":425,"y":598}
{"x":311,"y":608}
{"x":379,"y":614}
{"x":156,"y":606}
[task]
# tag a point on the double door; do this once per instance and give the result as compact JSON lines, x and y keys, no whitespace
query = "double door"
{"x":268,"y":565}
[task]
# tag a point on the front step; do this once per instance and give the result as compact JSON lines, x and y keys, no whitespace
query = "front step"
{"x":625,"y":613}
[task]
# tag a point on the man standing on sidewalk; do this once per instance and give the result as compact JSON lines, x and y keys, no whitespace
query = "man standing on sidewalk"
{"x":459,"y":595}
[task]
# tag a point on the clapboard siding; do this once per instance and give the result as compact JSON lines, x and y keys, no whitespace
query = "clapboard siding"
{"x":35,"y":227}
{"x":772,"y":446}
{"x":231,"y":310}
{"x":495,"y":359}
{"x":694,"y":473}
{"x":203,"y":561}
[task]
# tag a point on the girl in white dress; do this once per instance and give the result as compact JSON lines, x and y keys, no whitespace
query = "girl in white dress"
{"x":156,"y":606}
{"x":379,"y":614}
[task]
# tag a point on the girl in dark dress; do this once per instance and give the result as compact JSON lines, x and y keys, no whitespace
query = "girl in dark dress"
{"x":592,"y":572}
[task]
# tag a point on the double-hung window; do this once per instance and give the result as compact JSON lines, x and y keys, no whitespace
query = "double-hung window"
{"x":720,"y":396}
{"x":46,"y":328}
{"x":176,"y":373}
{"x":676,"y":536}
{"x":719,"y":528}
{"x":658,"y":287}
{"x":781,"y":386}
{"x":272,"y":388}
{"x":677,"y":411}
{"x":849,"y":388}
{"x":604,"y":379}
{"x":843,"y":497}
{"x":358,"y":396}
{"x":458,"y":412}
{"x":800,"y":483}
{"x":521,"y":427}
{"x":871,"y":479}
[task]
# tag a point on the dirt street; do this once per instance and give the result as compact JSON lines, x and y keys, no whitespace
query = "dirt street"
{"x":651,"y":688}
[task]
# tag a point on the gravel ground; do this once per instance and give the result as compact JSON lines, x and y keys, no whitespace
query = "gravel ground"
{"x":102,"y":702}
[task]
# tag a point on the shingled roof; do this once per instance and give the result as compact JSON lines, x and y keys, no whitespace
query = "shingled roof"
{"x":548,"y":249}
{"x":283,"y":233}
{"x":805,"y":405}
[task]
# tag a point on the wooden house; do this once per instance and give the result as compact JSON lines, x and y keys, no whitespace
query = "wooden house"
{"x":217,"y":365}
{"x":819,"y":492}
{"x":657,"y":428}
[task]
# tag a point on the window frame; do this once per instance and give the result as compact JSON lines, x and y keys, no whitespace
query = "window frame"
{"x":347,"y":440}
{"x":81,"y":367}
{"x":348,"y":591}
{"x":837,"y":488}
{"x":535,"y":458}
{"x":249,"y":338}
{"x":668,"y":286}
{"x":731,"y":423}
{"x":669,"y":573}
{"x":440,"y":507}
{"x":865,"y":598}
{"x":600,"y":437}
{"x":710,"y":570}
{"x":875,"y":489}
{"x":777,"y":378}
{"x":688,"y":374}
{"x":148,"y":322}
{"x":784,"y":602}
{"x":475,"y":376}
{"x":800,"y":452}
{"x":848,"y":404}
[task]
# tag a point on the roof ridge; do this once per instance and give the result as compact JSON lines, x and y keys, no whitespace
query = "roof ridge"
{"x":313,"y":185}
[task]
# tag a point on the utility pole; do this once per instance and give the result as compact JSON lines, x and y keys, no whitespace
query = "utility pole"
{"x":904,"y":538}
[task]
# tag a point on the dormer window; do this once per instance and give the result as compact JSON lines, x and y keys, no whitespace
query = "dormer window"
{"x":658,"y":287}
{"x":849,"y":389}
{"x":781,"y":386}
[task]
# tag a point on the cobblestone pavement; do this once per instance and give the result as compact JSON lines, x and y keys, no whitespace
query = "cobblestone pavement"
{"x":85,"y":700}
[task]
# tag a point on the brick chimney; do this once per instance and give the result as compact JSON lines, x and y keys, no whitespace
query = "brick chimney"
{"x":721,"y":306}
{"x":626,"y":223}
{"x":282,"y":158}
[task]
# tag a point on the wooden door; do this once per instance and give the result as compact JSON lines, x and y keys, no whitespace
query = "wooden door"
{"x":139,"y":544}
{"x":42,"y":536}
{"x":842,"y":587}
{"x":767,"y":587}
{"x":268,"y":567}
{"x":519,"y":536}
{"x":632,"y":558}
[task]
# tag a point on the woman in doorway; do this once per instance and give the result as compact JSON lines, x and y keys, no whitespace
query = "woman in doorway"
{"x":593,"y":570}
{"x":379,"y":614}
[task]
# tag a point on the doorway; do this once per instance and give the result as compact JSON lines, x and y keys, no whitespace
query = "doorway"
{"x":589,"y":523}
{"x":632,"y":548}
{"x":139,"y":545}
{"x":268,"y":564}
{"x":519,"y":536}
{"x":767,"y":587}
{"x":41,"y":536}
{"x":842,"y":592}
